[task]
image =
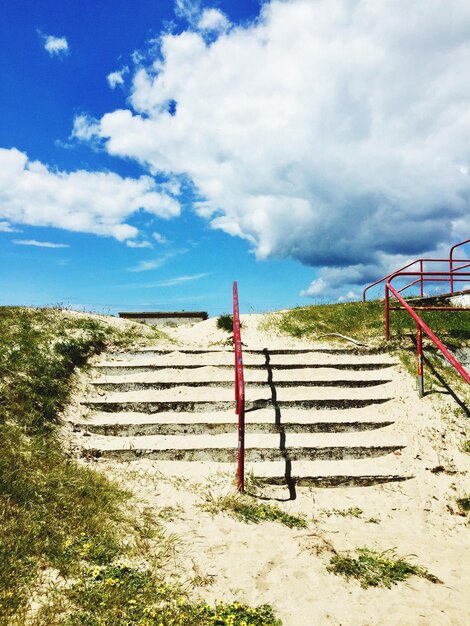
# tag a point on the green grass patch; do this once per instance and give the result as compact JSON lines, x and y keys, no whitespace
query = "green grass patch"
{"x":353,"y":511}
{"x":376,"y":569}
{"x":364,"y":321}
{"x":464,"y":504}
{"x":466,"y":446}
{"x":121,"y":595}
{"x":244,"y":508}
{"x":225,"y":322}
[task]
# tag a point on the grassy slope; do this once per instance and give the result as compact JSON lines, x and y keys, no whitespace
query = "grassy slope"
{"x":364,"y":322}
{"x":64,"y":520}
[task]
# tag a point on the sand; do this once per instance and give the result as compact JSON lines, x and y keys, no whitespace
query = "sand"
{"x":270,"y":563}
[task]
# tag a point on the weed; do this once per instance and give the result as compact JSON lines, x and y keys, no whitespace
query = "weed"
{"x":464,"y":504}
{"x":170,"y":513}
{"x":225,"y":322}
{"x":242,"y":507}
{"x":353,"y":511}
{"x":376,"y":569}
{"x":466,"y":446}
{"x":121,"y":595}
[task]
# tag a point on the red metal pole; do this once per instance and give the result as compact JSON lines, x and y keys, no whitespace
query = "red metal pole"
{"x":448,"y":355}
{"x":419,"y":349}
{"x":421,"y":278}
{"x":387,"y":314}
{"x":239,"y":391}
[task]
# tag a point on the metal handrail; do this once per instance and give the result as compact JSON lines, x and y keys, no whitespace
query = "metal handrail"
{"x":239,"y":390}
{"x":421,"y":326}
{"x":451,"y":262}
{"x":452,"y":270}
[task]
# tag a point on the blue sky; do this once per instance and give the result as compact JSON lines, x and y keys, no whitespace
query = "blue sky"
{"x":151,"y":152}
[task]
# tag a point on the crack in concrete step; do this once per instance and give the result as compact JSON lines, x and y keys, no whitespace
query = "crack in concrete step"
{"x":204,"y":405}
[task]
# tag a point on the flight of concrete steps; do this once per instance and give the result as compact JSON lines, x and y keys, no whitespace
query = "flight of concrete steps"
{"x":313,"y":416}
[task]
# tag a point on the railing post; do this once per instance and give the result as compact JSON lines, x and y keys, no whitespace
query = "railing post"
{"x":239,"y":391}
{"x":421,"y":290}
{"x":419,"y":349}
{"x":387,"y":314}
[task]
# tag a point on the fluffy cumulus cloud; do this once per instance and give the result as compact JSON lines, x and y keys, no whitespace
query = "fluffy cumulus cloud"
{"x":335,"y":132}
{"x":117,"y":78}
{"x":55,"y":46}
{"x":92,"y":202}
{"x":212,"y":20}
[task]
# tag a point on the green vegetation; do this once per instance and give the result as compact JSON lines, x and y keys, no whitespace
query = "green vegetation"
{"x":64,"y":526}
{"x":120,"y":595}
{"x":225,"y":322}
{"x":364,"y":321}
{"x":353,"y":511}
{"x":376,"y":569}
{"x":464,"y":504}
{"x":242,"y":507}
{"x":466,"y":446}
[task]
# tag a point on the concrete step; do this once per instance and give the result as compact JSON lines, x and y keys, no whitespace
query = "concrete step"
{"x":346,"y":473}
{"x":252,"y":375}
{"x":220,"y":405}
{"x":252,"y":395}
{"x":227,"y":357}
{"x":263,"y":351}
{"x":258,"y":447}
{"x":117,"y":368}
{"x":140,"y":424}
{"x":123,"y":386}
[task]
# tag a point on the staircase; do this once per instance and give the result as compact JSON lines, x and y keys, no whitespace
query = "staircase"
{"x":316,"y":417}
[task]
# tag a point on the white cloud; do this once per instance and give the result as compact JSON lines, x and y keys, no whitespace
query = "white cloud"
{"x":90,"y":202}
{"x":39,"y":244}
{"x":145,"y":266}
{"x":117,"y":77}
{"x":177,"y":280}
{"x":213,"y":20}
{"x":315,"y":288}
{"x":55,"y":46}
{"x":334,"y":132}
{"x":138,"y":244}
{"x":159,"y":238}
{"x":5,"y":227}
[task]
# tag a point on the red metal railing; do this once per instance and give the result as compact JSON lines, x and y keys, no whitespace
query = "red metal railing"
{"x":420,"y":324}
{"x":239,"y":390}
{"x":453,"y":274}
{"x":451,"y":263}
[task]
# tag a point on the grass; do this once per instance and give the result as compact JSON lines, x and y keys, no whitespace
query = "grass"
{"x":120,"y":595}
{"x":353,"y":511}
{"x":376,"y":569}
{"x":225,"y":322}
{"x":63,"y":521}
{"x":464,"y":504}
{"x":364,"y":321}
{"x":243,"y":508}
{"x":466,"y":446}
{"x":53,"y":512}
